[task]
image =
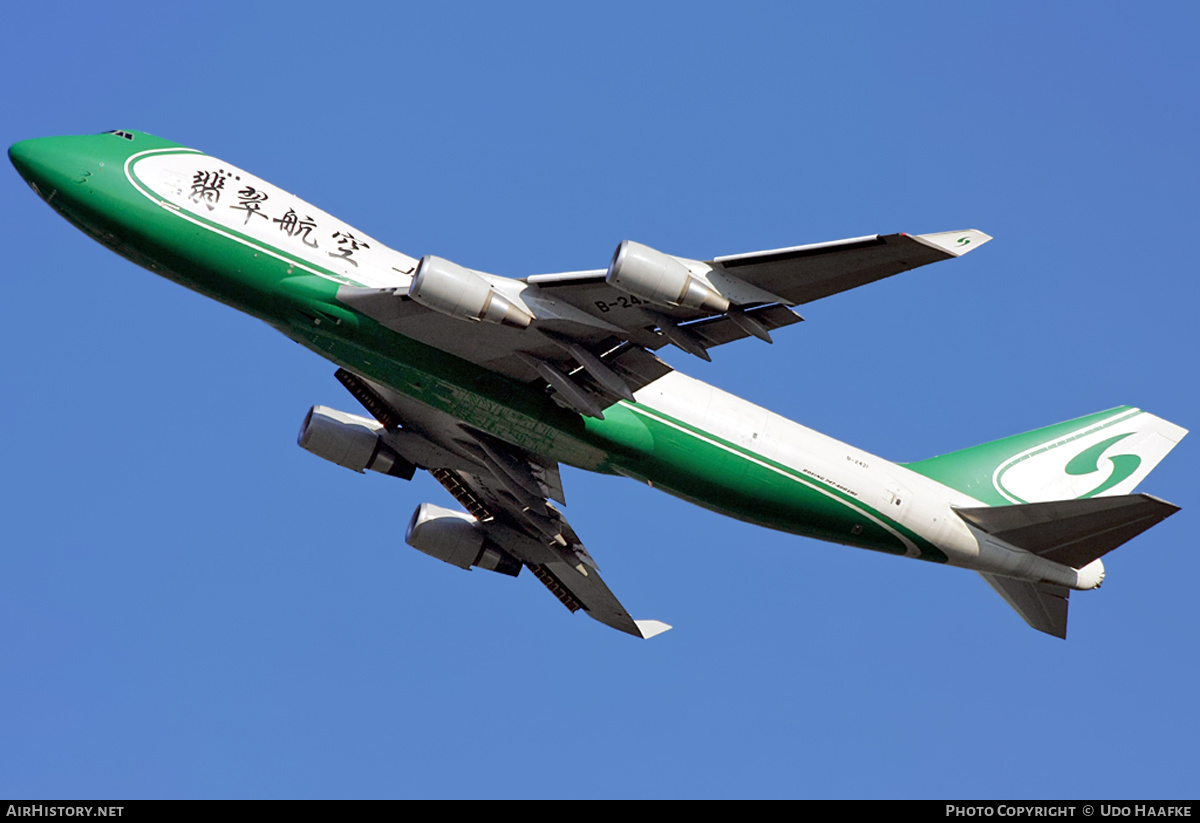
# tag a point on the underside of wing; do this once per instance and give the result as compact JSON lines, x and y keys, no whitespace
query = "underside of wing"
{"x":586,"y":365}
{"x":560,"y":562}
{"x":587,"y":337}
{"x":802,"y":274}
{"x":508,"y":522}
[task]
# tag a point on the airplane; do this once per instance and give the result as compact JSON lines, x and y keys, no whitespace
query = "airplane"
{"x":490,"y":383}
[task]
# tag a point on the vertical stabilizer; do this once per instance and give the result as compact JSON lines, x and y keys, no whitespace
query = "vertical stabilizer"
{"x":1103,"y":454}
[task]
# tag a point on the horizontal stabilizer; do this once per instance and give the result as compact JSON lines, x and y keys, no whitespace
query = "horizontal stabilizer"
{"x":1071,"y":532}
{"x":1043,"y":606}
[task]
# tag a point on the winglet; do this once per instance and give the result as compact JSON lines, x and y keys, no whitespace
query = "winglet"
{"x":956,"y":243}
{"x":651,"y":628}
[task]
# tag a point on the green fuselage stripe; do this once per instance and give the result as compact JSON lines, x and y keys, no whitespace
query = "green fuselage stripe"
{"x":902,"y":540}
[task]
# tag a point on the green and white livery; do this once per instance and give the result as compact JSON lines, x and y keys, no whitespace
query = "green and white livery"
{"x":490,"y":383}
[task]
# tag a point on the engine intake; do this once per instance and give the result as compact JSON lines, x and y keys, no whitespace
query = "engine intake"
{"x":660,"y":278}
{"x":455,"y":538}
{"x":459,"y":292}
{"x":351,"y":441}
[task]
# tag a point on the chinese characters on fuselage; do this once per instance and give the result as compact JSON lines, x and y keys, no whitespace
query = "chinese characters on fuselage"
{"x":207,"y":187}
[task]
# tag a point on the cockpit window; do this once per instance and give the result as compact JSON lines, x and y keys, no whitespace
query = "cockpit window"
{"x":120,"y":133}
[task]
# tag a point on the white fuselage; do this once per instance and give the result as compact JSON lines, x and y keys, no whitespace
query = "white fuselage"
{"x":911,"y":500}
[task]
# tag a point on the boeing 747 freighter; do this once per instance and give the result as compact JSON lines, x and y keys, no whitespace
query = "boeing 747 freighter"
{"x":490,"y":383}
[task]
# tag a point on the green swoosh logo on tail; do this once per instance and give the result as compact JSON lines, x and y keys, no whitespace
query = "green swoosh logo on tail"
{"x":1088,"y":461}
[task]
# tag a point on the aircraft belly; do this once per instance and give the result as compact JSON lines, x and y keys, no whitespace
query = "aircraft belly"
{"x":461,"y":391}
{"x":737,"y":487}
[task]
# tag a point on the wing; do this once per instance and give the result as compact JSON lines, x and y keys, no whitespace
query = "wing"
{"x":589,"y":336}
{"x":802,"y":274}
{"x":509,"y":522}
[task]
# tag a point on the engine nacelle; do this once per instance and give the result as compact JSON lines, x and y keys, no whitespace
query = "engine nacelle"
{"x":660,"y":278}
{"x":351,"y":441}
{"x":459,"y":292}
{"x":455,"y":537}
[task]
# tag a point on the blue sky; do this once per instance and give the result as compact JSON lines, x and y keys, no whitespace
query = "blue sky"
{"x":192,"y":606}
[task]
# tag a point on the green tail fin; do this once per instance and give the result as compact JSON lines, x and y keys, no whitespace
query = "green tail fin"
{"x":1099,"y":455}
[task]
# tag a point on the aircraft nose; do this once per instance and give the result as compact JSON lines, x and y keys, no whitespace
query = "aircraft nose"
{"x":51,"y":163}
{"x":26,"y":157}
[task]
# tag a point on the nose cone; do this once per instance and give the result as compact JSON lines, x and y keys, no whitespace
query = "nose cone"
{"x":51,"y":163}
{"x":27,"y":156}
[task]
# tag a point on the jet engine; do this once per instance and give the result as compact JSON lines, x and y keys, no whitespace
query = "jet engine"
{"x":459,"y":292}
{"x":660,"y":278}
{"x":455,"y":537}
{"x":351,"y":441}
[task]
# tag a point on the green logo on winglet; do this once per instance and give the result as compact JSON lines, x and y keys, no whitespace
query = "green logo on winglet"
{"x":962,"y":241}
{"x":1088,"y":461}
